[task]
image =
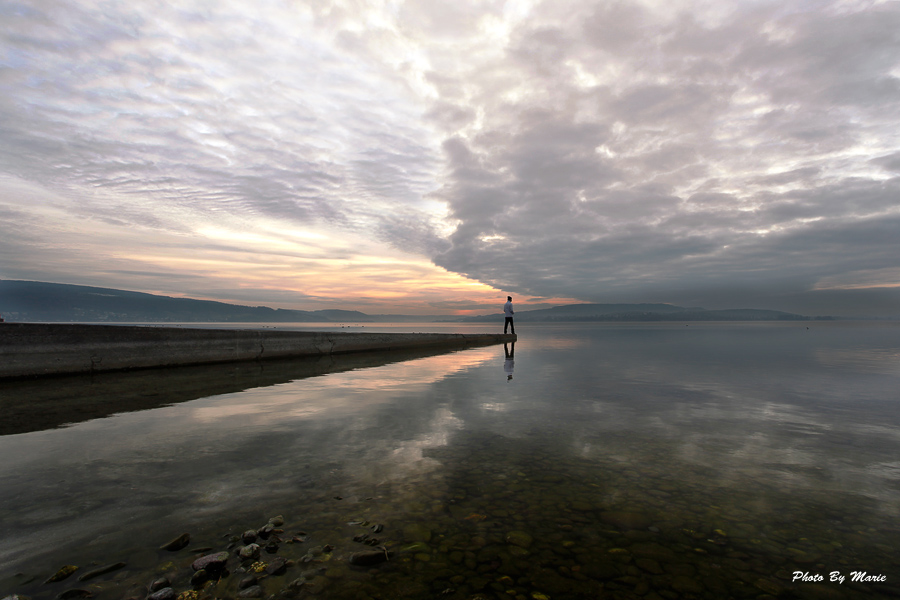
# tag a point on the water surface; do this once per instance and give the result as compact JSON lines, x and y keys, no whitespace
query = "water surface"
{"x":589,"y":460}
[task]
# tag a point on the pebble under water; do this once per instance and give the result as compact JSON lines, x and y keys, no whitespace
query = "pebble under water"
{"x":621,"y":462}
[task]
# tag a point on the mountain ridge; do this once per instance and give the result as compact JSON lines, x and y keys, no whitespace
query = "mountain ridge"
{"x":35,"y":301}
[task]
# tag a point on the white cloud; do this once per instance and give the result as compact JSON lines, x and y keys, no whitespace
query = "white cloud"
{"x":628,"y":150}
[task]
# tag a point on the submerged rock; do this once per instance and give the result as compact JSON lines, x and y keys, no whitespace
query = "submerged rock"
{"x":365,"y":559}
{"x":519,"y":538}
{"x":416,"y":532}
{"x":162,"y":582}
{"x":74,"y":593}
{"x":249,"y":551}
{"x":277,"y":566}
{"x":687,"y":585}
{"x":653,"y":551}
{"x":165,"y":593}
{"x":178,"y":543}
{"x":199,"y":578}
{"x":61,"y":574}
{"x":626,"y":519}
{"x":101,"y":571}
{"x":252,"y":592}
{"x":211,"y":562}
{"x":249,"y":536}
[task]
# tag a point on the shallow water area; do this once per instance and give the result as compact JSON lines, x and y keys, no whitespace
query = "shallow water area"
{"x":588,"y":460}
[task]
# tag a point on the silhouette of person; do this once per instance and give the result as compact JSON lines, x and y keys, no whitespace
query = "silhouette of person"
{"x":509,"y":312}
{"x":509,"y":364}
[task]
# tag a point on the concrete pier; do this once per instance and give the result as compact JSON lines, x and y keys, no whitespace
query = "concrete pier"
{"x":37,"y":349}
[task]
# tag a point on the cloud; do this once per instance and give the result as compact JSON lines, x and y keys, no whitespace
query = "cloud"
{"x":890,"y":162}
{"x":659,"y":152}
{"x":210,"y":109}
{"x":630,"y":150}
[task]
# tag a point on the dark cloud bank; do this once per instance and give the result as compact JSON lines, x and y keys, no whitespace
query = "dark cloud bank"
{"x":741,"y":160}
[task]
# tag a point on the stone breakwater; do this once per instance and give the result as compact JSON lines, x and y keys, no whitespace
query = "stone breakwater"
{"x":36,"y":349}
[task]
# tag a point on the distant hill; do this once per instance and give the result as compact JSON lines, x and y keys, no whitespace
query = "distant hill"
{"x":56,"y":302}
{"x":34,"y":301}
{"x":41,"y":302}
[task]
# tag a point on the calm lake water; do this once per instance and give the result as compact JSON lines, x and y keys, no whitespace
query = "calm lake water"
{"x":590,"y":460}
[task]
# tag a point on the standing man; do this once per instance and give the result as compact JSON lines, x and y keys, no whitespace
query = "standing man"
{"x":508,"y":311}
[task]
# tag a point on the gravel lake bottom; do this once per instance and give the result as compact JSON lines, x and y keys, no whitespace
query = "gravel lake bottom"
{"x":587,"y":460}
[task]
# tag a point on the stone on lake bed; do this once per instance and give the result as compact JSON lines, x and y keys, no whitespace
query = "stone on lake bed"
{"x":602,"y":571}
{"x":249,"y":536}
{"x":178,"y":543}
{"x":211,"y":562}
{"x":626,"y":519}
{"x":819,"y":591}
{"x":165,"y":593}
{"x":252,"y":592}
{"x":519,"y":538}
{"x":653,"y":550}
{"x":249,"y":551}
{"x":74,"y":593}
{"x":199,"y":577}
{"x":158,"y":584}
{"x":277,"y":566}
{"x":769,"y":586}
{"x":416,"y":532}
{"x":265,"y":531}
{"x":416,"y":547}
{"x":366,"y":559}
{"x":61,"y":574}
{"x":649,"y":565}
{"x":687,"y":585}
{"x":101,"y":571}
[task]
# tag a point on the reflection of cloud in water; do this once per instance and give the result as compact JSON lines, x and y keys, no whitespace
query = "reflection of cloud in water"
{"x":886,"y":470}
{"x":562,"y":344}
{"x":495,"y":406}
{"x":404,"y":458}
{"x":339,"y":393}
{"x":302,"y":441}
{"x":758,"y":416}
{"x":739,"y":404}
{"x":869,"y":360}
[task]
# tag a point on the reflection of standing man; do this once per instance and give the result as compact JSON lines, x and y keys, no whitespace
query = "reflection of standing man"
{"x":510,"y":363}
{"x":508,"y":311}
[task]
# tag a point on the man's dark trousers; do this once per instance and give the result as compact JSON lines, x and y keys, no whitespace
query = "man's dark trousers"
{"x":509,"y":323}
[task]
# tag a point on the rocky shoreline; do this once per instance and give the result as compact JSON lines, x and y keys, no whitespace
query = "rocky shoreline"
{"x":247,"y":567}
{"x":486,"y":539}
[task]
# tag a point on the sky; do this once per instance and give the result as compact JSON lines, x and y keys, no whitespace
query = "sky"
{"x":423,"y":157}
